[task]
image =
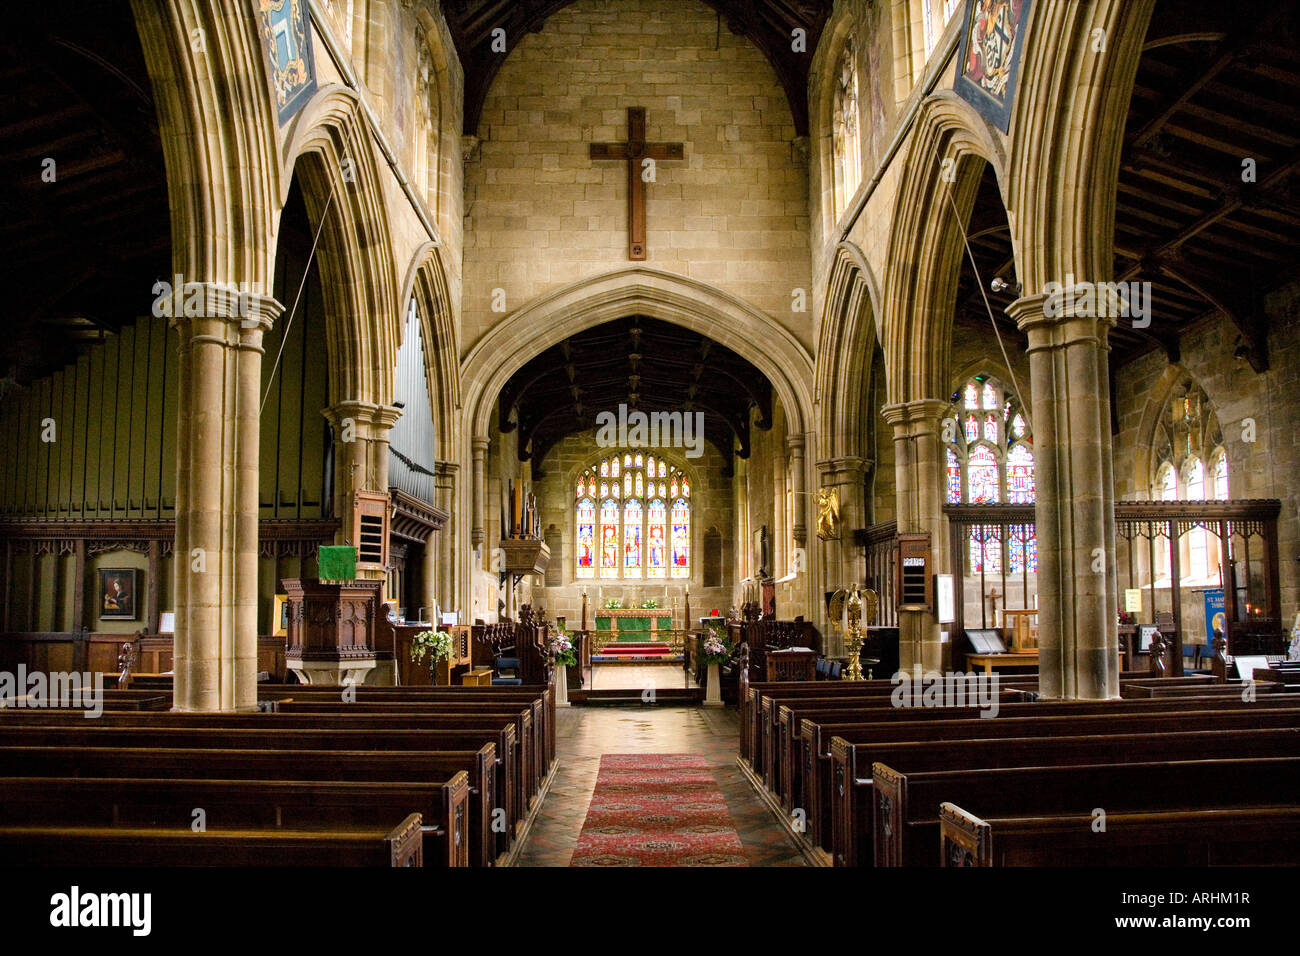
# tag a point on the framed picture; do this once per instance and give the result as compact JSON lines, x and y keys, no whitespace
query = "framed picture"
{"x":280,"y":618}
{"x":119,"y":590}
{"x":1146,"y":634}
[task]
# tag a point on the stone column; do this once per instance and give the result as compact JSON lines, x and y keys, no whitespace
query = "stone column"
{"x":780,"y":562}
{"x":219,"y":398}
{"x":794,"y":450}
{"x":840,"y":565}
{"x":477,"y":534}
{"x":449,"y":538}
{"x":919,"y":469}
{"x":1078,"y":639}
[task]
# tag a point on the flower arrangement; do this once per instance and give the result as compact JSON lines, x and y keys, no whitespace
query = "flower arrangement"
{"x":613,"y":604}
{"x":650,"y":603}
{"x":715,"y":647}
{"x":560,"y":650}
{"x":437,"y":644}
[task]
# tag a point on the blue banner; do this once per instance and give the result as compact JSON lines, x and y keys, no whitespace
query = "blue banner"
{"x":1215,"y":619}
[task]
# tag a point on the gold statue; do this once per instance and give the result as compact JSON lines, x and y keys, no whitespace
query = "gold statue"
{"x":828,"y":514}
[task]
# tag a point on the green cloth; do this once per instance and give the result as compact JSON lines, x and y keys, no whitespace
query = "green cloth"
{"x":337,"y":562}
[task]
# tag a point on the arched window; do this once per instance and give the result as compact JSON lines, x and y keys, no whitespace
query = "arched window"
{"x":644,"y":529}
{"x":935,"y":15}
{"x":990,"y":459}
{"x":1186,"y":431}
{"x":846,"y":127}
{"x":1219,"y":470}
{"x":1167,"y":483}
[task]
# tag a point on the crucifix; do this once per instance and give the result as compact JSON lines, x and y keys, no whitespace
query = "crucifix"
{"x":641,"y":158}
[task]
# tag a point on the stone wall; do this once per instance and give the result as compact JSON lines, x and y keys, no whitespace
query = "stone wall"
{"x":541,"y":213}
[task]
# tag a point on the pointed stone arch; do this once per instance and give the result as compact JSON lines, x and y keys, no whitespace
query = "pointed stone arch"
{"x":947,"y":156}
{"x":329,"y":147}
{"x":848,"y":333}
{"x":699,"y":306}
{"x":640,"y":290}
{"x":426,"y":282}
{"x":218,"y":130}
{"x":1067,"y":136}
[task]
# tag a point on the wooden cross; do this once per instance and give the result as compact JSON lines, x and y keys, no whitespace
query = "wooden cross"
{"x":636,"y":150}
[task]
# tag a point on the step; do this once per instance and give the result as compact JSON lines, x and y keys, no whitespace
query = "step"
{"x":631,"y":696}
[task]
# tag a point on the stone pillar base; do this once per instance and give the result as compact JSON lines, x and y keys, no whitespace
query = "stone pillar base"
{"x":335,"y":673}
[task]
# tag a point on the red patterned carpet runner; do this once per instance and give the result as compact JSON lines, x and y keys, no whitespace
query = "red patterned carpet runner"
{"x":657,"y":810}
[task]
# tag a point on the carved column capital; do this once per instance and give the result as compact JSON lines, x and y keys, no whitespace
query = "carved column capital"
{"x":1066,"y":315}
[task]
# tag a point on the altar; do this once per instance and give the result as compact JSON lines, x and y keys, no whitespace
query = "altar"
{"x":635,"y":623}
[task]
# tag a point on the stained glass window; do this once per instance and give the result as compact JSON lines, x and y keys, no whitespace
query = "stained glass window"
{"x":982,"y":475}
{"x":986,"y":549}
{"x":1020,"y":475}
{"x":634,"y":537}
{"x":681,"y":539}
{"x":989,"y":460}
{"x":846,"y":128}
{"x":656,"y":520}
{"x":586,"y":538}
{"x":954,"y":478}
{"x":1024,"y":547}
{"x":609,"y":538}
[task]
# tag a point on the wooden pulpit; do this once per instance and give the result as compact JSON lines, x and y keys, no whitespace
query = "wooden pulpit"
{"x":332,"y":630}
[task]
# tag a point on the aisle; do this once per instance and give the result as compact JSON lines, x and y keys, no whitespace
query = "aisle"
{"x":586,"y":734}
{"x":657,"y":810}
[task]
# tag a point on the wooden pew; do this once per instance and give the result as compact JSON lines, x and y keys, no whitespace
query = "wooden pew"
{"x":531,"y":736}
{"x":524,"y":694}
{"x":811,"y":759}
{"x":1224,"y":836}
{"x":132,"y":763}
{"x":245,"y":805}
{"x":852,"y":784}
{"x":432,"y":756}
{"x":907,"y":805}
{"x":149,"y":846}
{"x":515,"y":750}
